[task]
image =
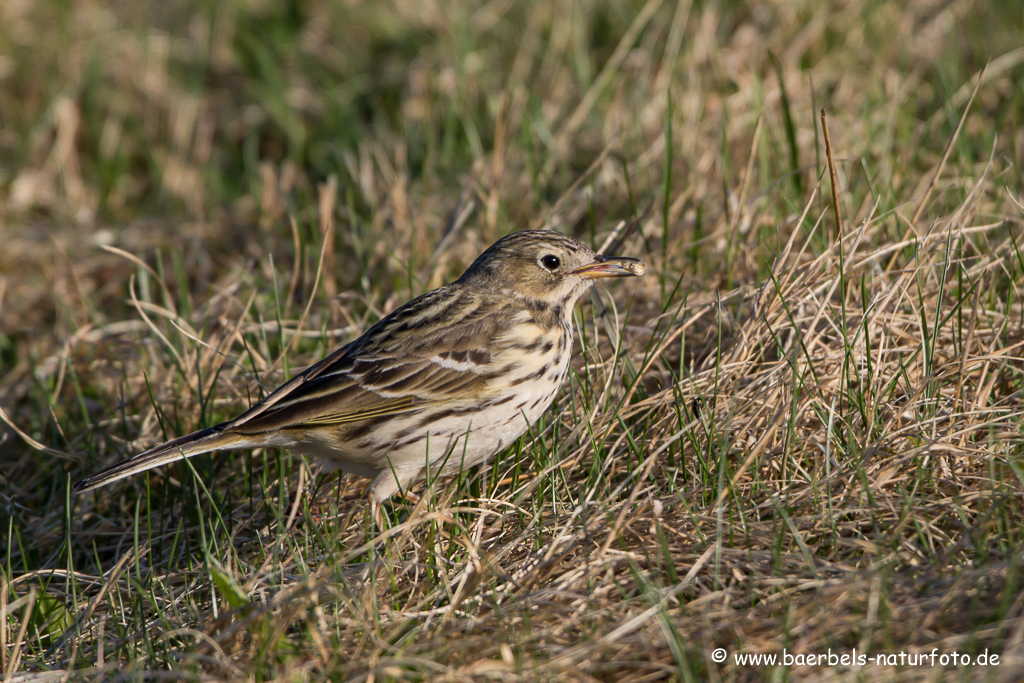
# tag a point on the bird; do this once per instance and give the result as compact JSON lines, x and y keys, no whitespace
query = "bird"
{"x":440,"y":384}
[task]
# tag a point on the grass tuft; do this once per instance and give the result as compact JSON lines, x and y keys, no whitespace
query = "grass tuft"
{"x":790,"y":436}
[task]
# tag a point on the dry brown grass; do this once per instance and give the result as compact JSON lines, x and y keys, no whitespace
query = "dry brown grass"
{"x":786,"y":436}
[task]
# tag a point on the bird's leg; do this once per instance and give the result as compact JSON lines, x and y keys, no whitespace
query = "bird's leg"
{"x":377,"y":511}
{"x":385,"y":485}
{"x":377,"y":514}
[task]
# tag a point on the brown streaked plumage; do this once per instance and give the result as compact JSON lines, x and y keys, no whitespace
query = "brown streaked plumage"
{"x":444,"y":382}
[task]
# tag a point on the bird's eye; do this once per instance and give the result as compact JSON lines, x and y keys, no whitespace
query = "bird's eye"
{"x":551,"y":262}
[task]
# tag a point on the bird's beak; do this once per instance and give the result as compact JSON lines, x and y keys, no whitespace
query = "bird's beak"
{"x":611,"y":266}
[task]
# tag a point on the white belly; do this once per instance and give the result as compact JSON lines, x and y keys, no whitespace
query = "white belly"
{"x":446,"y":438}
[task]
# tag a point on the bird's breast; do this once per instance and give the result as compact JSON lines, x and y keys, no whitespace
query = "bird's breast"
{"x":531,"y":364}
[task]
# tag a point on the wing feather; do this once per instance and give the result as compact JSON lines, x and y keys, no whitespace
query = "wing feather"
{"x":345,"y":398}
{"x":394,"y":407}
{"x":376,"y":376}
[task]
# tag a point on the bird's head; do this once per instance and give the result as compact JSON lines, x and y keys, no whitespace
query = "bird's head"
{"x":545,"y":266}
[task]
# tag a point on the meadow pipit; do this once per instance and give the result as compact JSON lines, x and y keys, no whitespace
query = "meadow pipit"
{"x":442,"y":383}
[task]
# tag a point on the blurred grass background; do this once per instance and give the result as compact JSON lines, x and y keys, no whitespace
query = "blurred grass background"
{"x":271,"y":178}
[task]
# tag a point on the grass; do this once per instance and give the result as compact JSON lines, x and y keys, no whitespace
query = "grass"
{"x":789,"y":437}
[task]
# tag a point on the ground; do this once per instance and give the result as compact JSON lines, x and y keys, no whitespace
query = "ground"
{"x":797,"y":436}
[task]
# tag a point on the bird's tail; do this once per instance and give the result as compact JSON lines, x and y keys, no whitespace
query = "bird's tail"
{"x":203,"y":441}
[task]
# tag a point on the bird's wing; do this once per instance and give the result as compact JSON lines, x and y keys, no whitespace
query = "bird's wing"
{"x":364,"y":389}
{"x":433,"y":350}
